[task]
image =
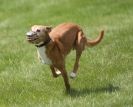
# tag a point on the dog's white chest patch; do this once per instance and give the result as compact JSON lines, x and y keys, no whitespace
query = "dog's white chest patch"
{"x":43,"y":55}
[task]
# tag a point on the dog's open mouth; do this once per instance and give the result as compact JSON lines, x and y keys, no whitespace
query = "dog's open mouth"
{"x":32,"y":38}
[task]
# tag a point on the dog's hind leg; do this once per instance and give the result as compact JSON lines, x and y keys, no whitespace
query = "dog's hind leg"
{"x":76,"y":65}
{"x":80,"y":45}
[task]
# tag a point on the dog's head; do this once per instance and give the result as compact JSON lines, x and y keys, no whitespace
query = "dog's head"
{"x":38,"y":34}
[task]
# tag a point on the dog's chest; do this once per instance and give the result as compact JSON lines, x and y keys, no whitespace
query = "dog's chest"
{"x":43,"y":56}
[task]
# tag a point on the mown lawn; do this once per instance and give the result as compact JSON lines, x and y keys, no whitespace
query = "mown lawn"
{"x":105,"y":77}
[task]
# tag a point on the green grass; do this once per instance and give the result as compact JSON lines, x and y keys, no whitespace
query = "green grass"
{"x":105,"y":77}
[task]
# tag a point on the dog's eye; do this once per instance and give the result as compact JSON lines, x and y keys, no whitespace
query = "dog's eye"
{"x":38,"y":30}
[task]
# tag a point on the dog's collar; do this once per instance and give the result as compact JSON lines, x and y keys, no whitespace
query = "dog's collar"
{"x":43,"y":43}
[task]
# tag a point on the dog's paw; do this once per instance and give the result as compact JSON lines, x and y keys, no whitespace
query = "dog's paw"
{"x":73,"y":75}
{"x":58,"y":72}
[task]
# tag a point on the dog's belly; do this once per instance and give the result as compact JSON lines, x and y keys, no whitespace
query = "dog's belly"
{"x":43,"y":56}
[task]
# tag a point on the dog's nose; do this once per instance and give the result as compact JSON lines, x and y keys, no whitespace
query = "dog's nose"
{"x":30,"y":33}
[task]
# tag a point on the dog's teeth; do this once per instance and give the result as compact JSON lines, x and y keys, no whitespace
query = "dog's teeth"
{"x":73,"y":75}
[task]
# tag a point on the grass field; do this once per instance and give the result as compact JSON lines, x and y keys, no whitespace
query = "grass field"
{"x":105,"y":77}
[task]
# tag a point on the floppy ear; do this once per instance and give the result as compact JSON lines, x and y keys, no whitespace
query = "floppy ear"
{"x":48,"y":28}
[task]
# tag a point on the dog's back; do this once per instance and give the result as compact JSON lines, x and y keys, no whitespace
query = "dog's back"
{"x":67,"y":34}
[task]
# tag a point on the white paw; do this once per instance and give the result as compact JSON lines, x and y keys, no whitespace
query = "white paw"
{"x":58,"y":72}
{"x":73,"y":75}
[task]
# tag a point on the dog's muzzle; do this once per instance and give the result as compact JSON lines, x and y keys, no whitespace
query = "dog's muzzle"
{"x":31,"y":36}
{"x":30,"y":33}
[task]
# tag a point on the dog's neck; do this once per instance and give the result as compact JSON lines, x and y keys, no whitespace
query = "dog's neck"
{"x":41,"y":44}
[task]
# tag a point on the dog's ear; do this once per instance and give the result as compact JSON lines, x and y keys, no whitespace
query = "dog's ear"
{"x":48,"y":28}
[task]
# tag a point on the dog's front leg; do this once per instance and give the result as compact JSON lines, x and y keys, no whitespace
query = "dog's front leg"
{"x":65,"y":77}
{"x":60,"y":46}
{"x":53,"y":71}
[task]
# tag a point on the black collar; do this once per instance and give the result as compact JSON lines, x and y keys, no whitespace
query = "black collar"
{"x":43,"y":44}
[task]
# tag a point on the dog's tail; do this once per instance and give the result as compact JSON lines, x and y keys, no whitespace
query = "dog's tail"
{"x":94,"y":42}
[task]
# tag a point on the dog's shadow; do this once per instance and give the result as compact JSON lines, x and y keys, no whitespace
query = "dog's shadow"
{"x":83,"y":92}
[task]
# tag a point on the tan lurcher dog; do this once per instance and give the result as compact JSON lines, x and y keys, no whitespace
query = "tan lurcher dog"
{"x":53,"y":45}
